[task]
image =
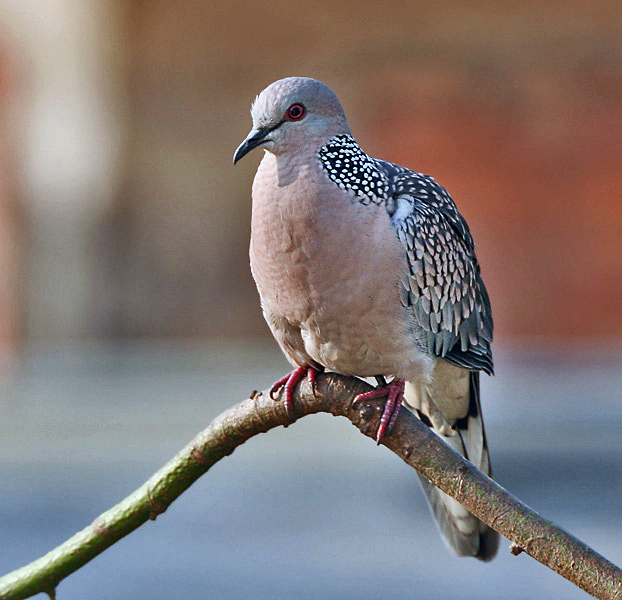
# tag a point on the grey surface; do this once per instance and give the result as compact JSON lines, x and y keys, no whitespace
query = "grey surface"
{"x":312,"y":511}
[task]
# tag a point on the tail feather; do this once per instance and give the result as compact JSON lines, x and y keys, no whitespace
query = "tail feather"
{"x":457,"y":417}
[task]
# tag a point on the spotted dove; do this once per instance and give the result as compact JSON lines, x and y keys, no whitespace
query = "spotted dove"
{"x":366,"y":268}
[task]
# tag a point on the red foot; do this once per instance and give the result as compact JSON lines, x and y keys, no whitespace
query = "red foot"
{"x":289,"y":381}
{"x":394,"y":393}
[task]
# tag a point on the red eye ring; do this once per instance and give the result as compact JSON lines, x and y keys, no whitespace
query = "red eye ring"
{"x":296,"y":111}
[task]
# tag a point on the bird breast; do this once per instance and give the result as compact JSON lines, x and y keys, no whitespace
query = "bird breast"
{"x":328,"y":270}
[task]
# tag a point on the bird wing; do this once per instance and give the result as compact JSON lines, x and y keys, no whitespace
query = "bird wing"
{"x":444,"y":287}
{"x":451,"y":307}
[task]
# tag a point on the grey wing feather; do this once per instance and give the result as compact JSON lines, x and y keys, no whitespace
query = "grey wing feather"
{"x":446,"y":291}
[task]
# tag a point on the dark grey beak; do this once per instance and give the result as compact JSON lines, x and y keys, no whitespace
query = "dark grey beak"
{"x":255,"y":138}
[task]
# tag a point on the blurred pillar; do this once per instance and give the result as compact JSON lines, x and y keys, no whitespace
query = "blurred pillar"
{"x":69,"y":141}
{"x":10,"y":247}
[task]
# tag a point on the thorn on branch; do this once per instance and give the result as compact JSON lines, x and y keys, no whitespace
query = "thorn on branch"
{"x":100,"y":528}
{"x":367,"y":411}
{"x":408,"y":450}
{"x":515,"y":549}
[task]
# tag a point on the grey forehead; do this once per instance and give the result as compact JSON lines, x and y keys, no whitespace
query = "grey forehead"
{"x":303,"y":86}
{"x":280,"y":94}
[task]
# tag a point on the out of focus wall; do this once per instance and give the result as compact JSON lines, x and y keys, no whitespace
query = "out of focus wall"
{"x":10,"y":222}
{"x":515,"y":107}
{"x":64,"y":131}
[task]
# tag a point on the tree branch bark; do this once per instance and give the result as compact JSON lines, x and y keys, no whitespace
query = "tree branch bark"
{"x":411,"y":440}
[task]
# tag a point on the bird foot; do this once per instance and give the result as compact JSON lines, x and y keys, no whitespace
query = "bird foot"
{"x":394,"y":393}
{"x":290,"y":381}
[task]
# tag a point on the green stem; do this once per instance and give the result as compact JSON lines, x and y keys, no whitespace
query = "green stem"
{"x":415,"y":443}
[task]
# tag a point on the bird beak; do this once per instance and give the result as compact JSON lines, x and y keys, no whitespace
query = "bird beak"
{"x":255,"y":138}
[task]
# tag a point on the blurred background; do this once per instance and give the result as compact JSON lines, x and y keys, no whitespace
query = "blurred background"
{"x":128,"y":316}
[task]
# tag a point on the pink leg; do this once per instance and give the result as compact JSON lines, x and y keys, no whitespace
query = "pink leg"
{"x":394,"y":393}
{"x":289,"y":381}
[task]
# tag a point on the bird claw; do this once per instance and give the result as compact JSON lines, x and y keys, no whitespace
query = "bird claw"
{"x":277,"y":385}
{"x":290,"y":381}
{"x":394,"y":393}
{"x":312,"y":377}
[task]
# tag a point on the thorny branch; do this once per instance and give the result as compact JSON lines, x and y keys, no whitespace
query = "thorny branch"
{"x":411,"y":440}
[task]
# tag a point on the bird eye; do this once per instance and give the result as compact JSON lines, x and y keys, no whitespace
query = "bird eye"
{"x":295,"y":112}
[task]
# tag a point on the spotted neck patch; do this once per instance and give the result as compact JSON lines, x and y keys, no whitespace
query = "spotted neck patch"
{"x":351,"y":169}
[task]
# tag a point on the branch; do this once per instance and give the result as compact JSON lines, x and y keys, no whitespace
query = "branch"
{"x":411,"y":440}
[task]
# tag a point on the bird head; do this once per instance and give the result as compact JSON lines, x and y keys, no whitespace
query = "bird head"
{"x":293,"y":112}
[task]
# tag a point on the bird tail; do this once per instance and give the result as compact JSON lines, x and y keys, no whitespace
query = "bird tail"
{"x":457,"y":418}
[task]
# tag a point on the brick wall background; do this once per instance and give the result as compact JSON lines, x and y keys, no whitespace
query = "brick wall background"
{"x":515,"y":107}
